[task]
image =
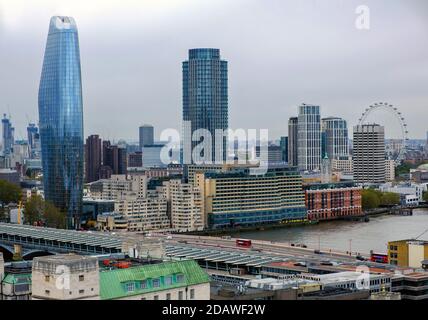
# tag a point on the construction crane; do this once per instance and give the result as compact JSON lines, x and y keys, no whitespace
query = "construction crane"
{"x":19,"y":220}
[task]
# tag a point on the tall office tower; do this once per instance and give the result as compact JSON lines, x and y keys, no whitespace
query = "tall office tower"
{"x":146,"y":135}
{"x":61,"y":119}
{"x":205,"y":101}
{"x":309,"y":138}
{"x":92,"y":158}
{"x":369,"y":153}
{"x":335,"y":132}
{"x":292,"y":142}
{"x":32,"y":131}
{"x":283,"y":143}
{"x":7,"y":135}
{"x":114,"y":157}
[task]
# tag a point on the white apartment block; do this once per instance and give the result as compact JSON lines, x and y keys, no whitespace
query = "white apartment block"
{"x":144,"y":214}
{"x":389,"y":170}
{"x":342,"y":164}
{"x":186,"y":205}
{"x":118,"y":187}
{"x":369,"y":154}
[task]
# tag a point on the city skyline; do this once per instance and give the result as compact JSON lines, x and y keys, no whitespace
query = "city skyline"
{"x":340,"y":76}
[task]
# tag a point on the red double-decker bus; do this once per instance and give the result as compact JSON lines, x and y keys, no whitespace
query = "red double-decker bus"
{"x":243,"y":243}
{"x":379,"y":258}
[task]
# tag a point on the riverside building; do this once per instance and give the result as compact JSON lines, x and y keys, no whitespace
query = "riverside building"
{"x":238,"y":198}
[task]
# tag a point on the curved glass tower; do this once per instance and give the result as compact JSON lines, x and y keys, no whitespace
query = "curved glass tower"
{"x":61,"y":119}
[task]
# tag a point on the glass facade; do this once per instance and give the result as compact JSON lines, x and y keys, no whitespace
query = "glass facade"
{"x":309,"y":138}
{"x":335,"y":138}
{"x":61,"y":119}
{"x":205,"y":97}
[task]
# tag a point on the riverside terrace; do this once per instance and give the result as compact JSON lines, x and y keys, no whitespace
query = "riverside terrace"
{"x":33,"y":241}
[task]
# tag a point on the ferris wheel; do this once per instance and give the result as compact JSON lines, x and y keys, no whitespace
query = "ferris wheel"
{"x":391,"y":109}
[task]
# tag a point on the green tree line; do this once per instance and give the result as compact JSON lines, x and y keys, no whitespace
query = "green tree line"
{"x":372,"y":199}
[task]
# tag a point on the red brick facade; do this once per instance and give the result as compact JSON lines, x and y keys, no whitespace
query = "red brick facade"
{"x":333,"y":203}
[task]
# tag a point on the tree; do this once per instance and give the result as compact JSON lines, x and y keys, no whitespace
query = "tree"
{"x":33,"y":211}
{"x":9,"y":192}
{"x":425,"y":196}
{"x":53,"y":217}
{"x":38,"y":210}
{"x":370,"y":199}
{"x":389,"y":199}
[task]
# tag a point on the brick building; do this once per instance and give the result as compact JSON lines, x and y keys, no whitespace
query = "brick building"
{"x":331,"y":201}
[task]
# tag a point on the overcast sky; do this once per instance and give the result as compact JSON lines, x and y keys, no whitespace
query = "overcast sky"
{"x":281,"y":53}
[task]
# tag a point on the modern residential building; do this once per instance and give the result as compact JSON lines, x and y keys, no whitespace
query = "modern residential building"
{"x":118,"y":187}
{"x":331,"y":201}
{"x":292,"y":141}
{"x":336,"y":137}
{"x":61,"y":119}
{"x":115,"y":157}
{"x":185,"y":205}
{"x":342,"y":164}
{"x":92,"y":158}
{"x":144,"y":214}
{"x":309,"y":138}
{"x":205,"y":101}
{"x":389,"y":170}
{"x":238,"y":198}
{"x":146,"y":135}
{"x":283,"y":143}
{"x":407,"y":253}
{"x":32,"y":138}
{"x":7,"y":135}
{"x":369,"y":154}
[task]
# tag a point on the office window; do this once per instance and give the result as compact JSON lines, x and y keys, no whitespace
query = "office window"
{"x":81,"y":291}
{"x":168,"y":296}
{"x":192,"y":293}
{"x":156,"y":297}
{"x":81,"y":277}
{"x":180,"y":295}
{"x":168,"y":280}
{"x":47,"y":278}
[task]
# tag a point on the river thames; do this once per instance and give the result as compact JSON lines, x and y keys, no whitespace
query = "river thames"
{"x":343,"y":235}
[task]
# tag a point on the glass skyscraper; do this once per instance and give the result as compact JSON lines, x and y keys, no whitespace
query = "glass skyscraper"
{"x":309,"y":138}
{"x":335,"y":134}
{"x":61,"y":119}
{"x":205,"y":99}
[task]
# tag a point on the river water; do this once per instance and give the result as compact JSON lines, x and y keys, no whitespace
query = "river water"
{"x":345,"y":235}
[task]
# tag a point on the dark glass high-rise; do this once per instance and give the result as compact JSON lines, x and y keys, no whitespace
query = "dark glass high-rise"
{"x":61,"y":119}
{"x":205,"y":97}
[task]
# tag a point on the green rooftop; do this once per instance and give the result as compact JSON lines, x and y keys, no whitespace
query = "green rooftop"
{"x":17,"y":278}
{"x":137,"y":280}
